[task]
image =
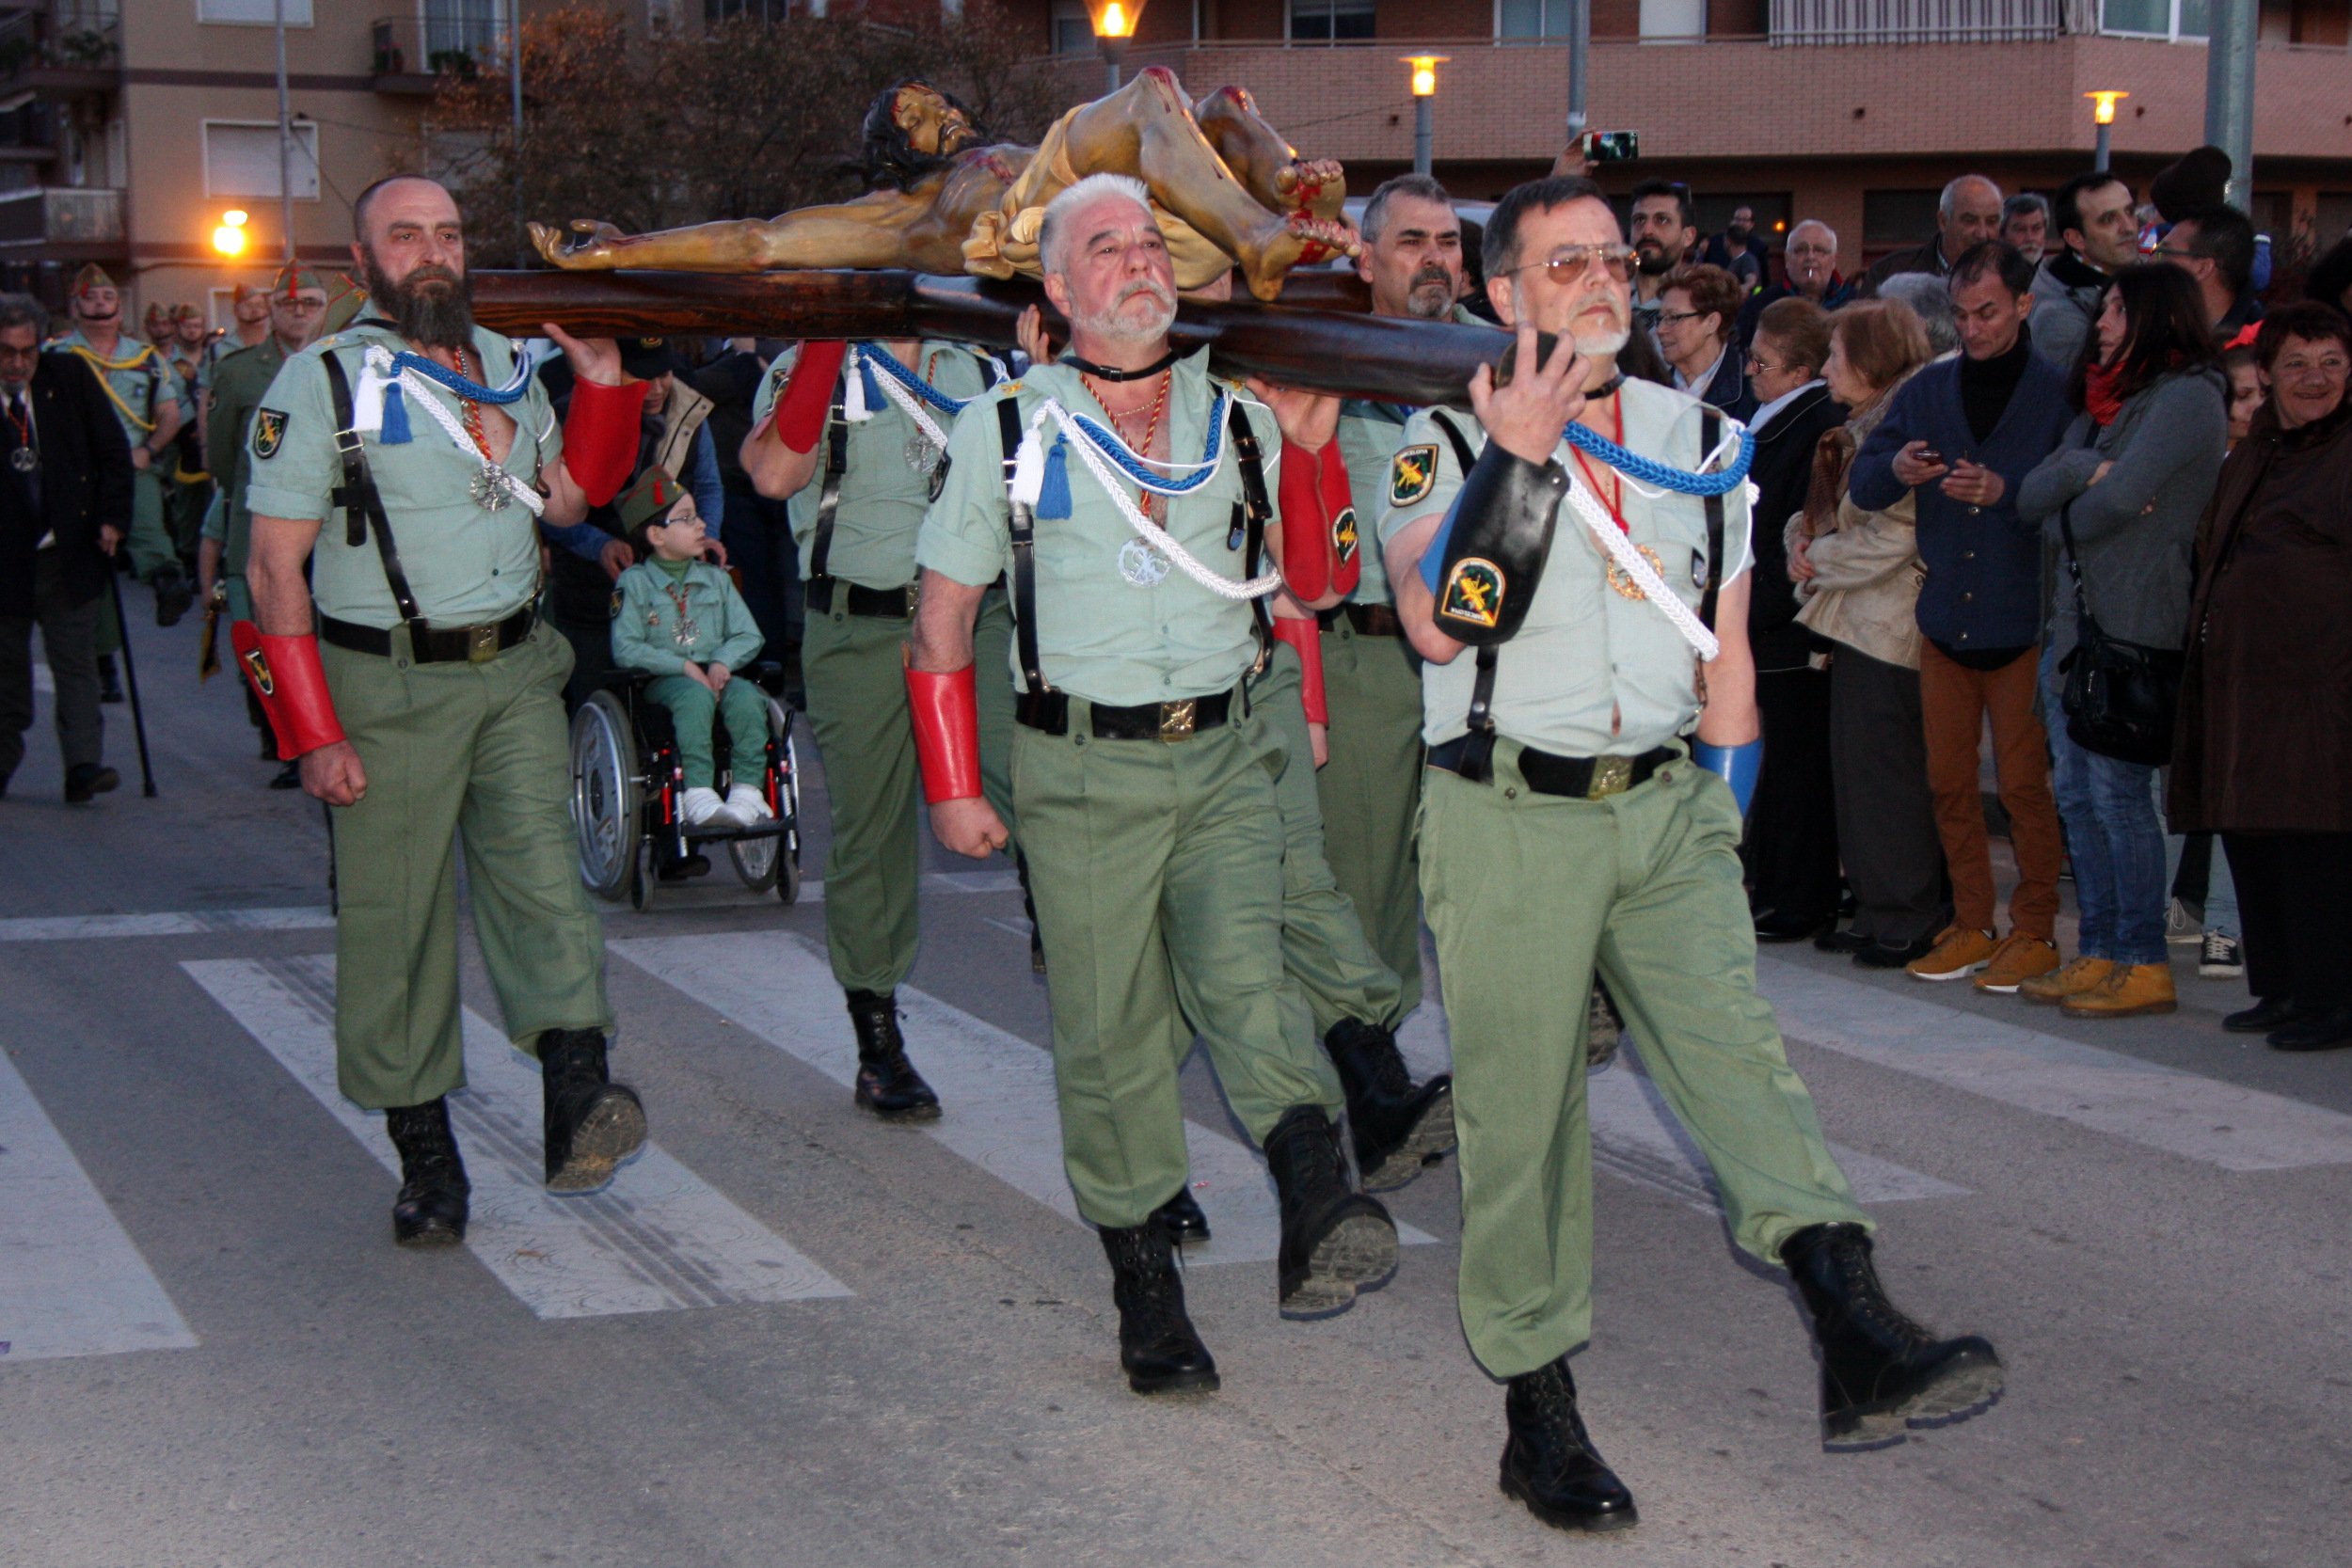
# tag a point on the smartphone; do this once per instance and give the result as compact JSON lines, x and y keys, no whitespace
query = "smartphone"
{"x":1612,"y":147}
{"x":1928,"y":455}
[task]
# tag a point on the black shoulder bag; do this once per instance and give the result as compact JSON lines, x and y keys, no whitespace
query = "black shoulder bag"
{"x":2120,"y":697}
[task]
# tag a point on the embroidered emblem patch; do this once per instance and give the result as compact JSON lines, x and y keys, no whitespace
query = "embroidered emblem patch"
{"x":269,"y":432}
{"x":1473,"y":593}
{"x":258,"y":665}
{"x":614,"y":612}
{"x":1412,"y":475}
{"x":1343,"y":541}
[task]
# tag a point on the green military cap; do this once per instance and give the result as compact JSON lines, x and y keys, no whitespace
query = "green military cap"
{"x":293,"y":278}
{"x":344,"y":301}
{"x":648,"y":501}
{"x":91,"y":277}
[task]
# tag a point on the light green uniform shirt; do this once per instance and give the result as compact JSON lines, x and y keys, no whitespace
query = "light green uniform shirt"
{"x":145,"y":390}
{"x":465,"y":565}
{"x":646,"y":620}
{"x":1370,"y":433}
{"x":1585,"y":650}
{"x":1101,"y":636}
{"x":883,"y":496}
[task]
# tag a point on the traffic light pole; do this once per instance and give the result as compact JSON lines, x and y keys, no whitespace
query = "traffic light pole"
{"x":2230,"y":92}
{"x":285,"y":139}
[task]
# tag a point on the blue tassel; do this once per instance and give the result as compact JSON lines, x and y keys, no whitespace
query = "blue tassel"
{"x":1053,"y":496}
{"x":395,"y":431}
{"x":874,"y":400}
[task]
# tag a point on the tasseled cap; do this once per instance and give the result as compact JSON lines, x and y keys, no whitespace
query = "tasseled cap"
{"x":648,"y":501}
{"x":91,"y":277}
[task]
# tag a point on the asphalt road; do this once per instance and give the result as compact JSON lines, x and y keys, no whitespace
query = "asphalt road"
{"x":793,"y":1336}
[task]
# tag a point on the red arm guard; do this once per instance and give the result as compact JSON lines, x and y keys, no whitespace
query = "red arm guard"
{"x":800,"y":413}
{"x":1306,"y":532}
{"x":601,"y":437}
{"x":1306,"y":637}
{"x":1338,"y":510}
{"x":285,"y":675}
{"x":946,"y":711}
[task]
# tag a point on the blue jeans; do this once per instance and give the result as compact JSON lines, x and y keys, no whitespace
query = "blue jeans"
{"x":2118,"y":843}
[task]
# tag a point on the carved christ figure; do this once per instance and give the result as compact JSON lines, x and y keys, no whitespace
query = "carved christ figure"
{"x":1227,"y":189}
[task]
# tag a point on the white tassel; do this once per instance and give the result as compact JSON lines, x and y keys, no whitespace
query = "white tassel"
{"x":367,"y":399}
{"x":1029,"y":467}
{"x":853,"y":398}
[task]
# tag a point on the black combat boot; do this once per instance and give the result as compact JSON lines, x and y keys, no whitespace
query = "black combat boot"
{"x":1604,"y":1030}
{"x":1548,"y":1462}
{"x":431,"y":1208}
{"x":1881,"y":1373}
{"x":1397,"y":1126}
{"x":887,"y":1083}
{"x":109,"y":679}
{"x":1157,"y":1345}
{"x":593,"y":1124}
{"x":1181,"y":1218}
{"x":1335,"y":1240}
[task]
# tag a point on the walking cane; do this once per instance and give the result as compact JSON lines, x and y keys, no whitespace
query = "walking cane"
{"x":131,"y":679}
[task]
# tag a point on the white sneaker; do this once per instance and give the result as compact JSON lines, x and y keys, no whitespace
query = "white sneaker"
{"x":703,"y":808}
{"x":747,"y":805}
{"x":2181,"y":927}
{"x":2223,"y":959}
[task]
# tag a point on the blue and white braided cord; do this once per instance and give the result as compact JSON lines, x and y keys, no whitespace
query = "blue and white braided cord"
{"x":1646,"y":470}
{"x":886,"y":362}
{"x":1140,"y":469}
{"x":472,"y":391}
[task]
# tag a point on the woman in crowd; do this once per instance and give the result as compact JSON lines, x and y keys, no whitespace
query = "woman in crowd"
{"x":2264,"y":751}
{"x":1697,"y":308}
{"x":2118,"y":500}
{"x":1858,"y":575}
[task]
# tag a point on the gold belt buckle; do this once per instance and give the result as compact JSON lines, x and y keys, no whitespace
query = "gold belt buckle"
{"x":1610,"y":776}
{"x":482,"y":643}
{"x":1177,"y":719}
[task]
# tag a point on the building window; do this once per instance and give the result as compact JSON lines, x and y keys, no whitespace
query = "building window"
{"x":258,"y":13}
{"x":462,"y":33}
{"x":2157,"y":19}
{"x":1898,"y":217}
{"x":1073,"y":33}
{"x":241,"y":159}
{"x":1674,"y":19}
{"x":715,"y":11}
{"x":1331,"y":21}
{"x":1532,"y":19}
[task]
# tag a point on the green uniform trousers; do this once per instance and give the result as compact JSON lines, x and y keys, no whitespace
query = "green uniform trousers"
{"x":1334,"y":973}
{"x":1526,"y":893}
{"x":1371,"y":794}
{"x":854,"y":669}
{"x":693,"y":710}
{"x":476,"y":751}
{"x":153,"y":550}
{"x":1157,"y":871}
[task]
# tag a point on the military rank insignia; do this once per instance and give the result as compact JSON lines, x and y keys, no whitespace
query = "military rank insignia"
{"x":1344,"y":539}
{"x":1472,"y":592}
{"x":269,"y":432}
{"x":1412,"y":475}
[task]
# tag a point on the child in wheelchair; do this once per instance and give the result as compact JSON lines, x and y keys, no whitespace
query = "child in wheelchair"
{"x":678,"y":618}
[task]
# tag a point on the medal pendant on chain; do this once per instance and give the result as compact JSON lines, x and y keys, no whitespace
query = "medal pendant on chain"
{"x":922,"y":452}
{"x":24,"y":460}
{"x":489,"y":489}
{"x":1142,"y":566}
{"x":685,"y":634}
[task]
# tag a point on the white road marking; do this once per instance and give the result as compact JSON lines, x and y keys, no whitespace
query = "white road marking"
{"x":937,"y":881}
{"x":164,"y":922}
{"x":658,"y":1238}
{"x":997,"y":1089}
{"x":71,"y":1283}
{"x":2159,"y":1107}
{"x":1636,"y":1138}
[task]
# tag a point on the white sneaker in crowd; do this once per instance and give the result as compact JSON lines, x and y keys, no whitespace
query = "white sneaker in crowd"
{"x":2182,"y":929}
{"x":747,"y":805}
{"x":2223,"y":959}
{"x":703,"y":808}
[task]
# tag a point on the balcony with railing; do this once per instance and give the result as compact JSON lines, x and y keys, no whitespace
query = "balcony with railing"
{"x":414,"y":53}
{"x":63,"y":52}
{"x":56,"y":222}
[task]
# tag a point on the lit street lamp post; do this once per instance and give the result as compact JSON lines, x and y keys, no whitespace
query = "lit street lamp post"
{"x":1114,"y":24}
{"x":1424,"y":82}
{"x":2103,"y":113}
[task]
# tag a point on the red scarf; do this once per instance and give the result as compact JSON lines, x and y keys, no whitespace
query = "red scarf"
{"x":2103,"y":396}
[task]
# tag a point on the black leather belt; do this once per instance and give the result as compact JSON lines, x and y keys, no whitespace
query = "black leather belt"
{"x":434,"y":644}
{"x":882,"y":604}
{"x":1177,"y":720}
{"x":1370,"y":620}
{"x":1577,"y":778}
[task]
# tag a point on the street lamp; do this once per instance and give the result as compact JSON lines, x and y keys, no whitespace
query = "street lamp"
{"x":228,"y":235}
{"x":1114,"y":24}
{"x":2102,"y":115}
{"x":1424,"y":84}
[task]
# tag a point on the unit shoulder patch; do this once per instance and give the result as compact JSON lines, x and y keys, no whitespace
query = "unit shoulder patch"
{"x":269,"y":432}
{"x":1473,"y":593}
{"x":1412,"y":474}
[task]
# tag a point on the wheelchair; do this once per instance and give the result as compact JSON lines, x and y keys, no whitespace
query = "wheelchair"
{"x":628,"y":782}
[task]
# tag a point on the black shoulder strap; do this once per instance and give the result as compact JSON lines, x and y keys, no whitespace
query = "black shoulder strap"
{"x":1250,"y":519}
{"x":1023,"y":530}
{"x":1478,"y":746}
{"x":363,"y":503}
{"x":828,"y":502}
{"x":1710,"y":432}
{"x":991,"y":371}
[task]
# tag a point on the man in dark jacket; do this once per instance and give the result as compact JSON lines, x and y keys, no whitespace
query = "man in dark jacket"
{"x":1967,"y":213}
{"x":2094,"y":218}
{"x":1791,"y":844}
{"x":1962,"y":435}
{"x":759,"y":536}
{"x":65,"y":505}
{"x":1812,"y":266}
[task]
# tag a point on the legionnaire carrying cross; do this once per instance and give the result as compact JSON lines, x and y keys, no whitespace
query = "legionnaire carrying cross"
{"x":405,"y":459}
{"x":1583,"y":610}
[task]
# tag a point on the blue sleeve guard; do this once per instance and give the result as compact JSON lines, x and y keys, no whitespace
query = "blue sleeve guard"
{"x":1736,"y":765}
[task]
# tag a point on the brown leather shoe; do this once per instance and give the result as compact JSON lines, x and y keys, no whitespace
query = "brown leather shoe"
{"x":1958,"y":953}
{"x":2018,"y":958}
{"x":2129,"y":992}
{"x":2059,"y":984}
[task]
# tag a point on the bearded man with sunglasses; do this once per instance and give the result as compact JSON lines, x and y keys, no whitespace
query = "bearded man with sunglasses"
{"x":1592,"y":741}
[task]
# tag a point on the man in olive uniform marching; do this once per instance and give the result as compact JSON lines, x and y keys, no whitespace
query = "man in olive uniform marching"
{"x":1578,"y":586}
{"x":851,"y":436}
{"x":406,"y":459}
{"x":1124,"y":492}
{"x":153,"y":404}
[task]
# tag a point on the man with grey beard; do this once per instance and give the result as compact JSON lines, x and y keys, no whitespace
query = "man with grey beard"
{"x":1123,"y":493}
